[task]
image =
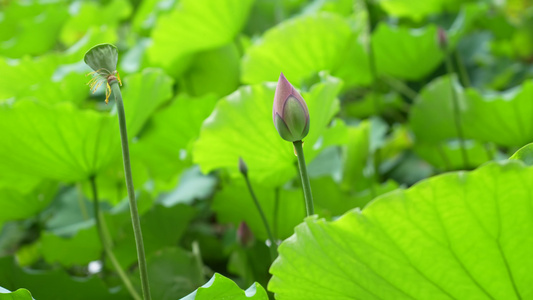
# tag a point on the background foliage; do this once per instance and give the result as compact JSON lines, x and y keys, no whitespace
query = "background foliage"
{"x":198,"y":88}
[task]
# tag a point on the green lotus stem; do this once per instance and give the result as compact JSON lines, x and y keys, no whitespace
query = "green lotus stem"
{"x":103,"y":233}
{"x":131,"y":191}
{"x":371,"y":59}
{"x":81,"y":204}
{"x":400,"y":87}
{"x":462,"y":70}
{"x":444,"y":157}
{"x":273,"y":246}
{"x":456,"y":111}
{"x":309,"y":207}
{"x":276,"y":212}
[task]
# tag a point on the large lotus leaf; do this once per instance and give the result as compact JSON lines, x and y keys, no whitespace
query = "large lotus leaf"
{"x":162,"y":227}
{"x":192,"y":185}
{"x":170,"y":134}
{"x":18,"y":182}
{"x":241,"y":126}
{"x":147,"y":12}
{"x":58,"y":142}
{"x":417,"y":9}
{"x":63,"y":143}
{"x":143,"y":93}
{"x":204,"y":75}
{"x":497,"y":117}
{"x":462,"y":235}
{"x":448,"y":155}
{"x":18,"y":205}
{"x":500,"y":118}
{"x":38,"y":78}
{"x":80,"y":249}
{"x":54,"y":284}
{"x":30,"y":28}
{"x":290,"y":208}
{"x":406,"y":53}
{"x":20,"y":294}
{"x":432,"y":115}
{"x":303,"y":46}
{"x":87,"y":14}
{"x":413,"y":54}
{"x":195,"y":25}
{"x":221,"y":288}
{"x":341,"y":7}
{"x":524,"y":154}
{"x":331,"y":200}
{"x":173,"y":273}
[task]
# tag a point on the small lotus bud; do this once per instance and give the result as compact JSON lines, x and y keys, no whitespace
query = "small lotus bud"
{"x":290,"y":113}
{"x":243,"y":168}
{"x":245,"y":236}
{"x":442,"y":39}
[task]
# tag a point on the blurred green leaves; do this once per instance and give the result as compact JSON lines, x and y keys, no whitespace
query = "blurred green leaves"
{"x":193,"y":26}
{"x":211,"y":102}
{"x":486,"y":117}
{"x":303,"y":46}
{"x":33,"y":29}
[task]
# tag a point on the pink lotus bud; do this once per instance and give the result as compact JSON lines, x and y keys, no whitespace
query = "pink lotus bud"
{"x":442,"y":39}
{"x":290,"y":113}
{"x":244,"y":235}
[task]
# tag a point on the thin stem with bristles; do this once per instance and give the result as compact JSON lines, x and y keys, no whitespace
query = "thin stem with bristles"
{"x":135,"y":220}
{"x":273,"y":245}
{"x":456,"y":111}
{"x":102,"y":230}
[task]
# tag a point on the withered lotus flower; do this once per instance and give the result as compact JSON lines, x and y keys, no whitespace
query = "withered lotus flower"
{"x":290,"y":113}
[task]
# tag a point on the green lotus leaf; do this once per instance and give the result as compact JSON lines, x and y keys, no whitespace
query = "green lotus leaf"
{"x":418,"y":9}
{"x":50,"y":284}
{"x":303,"y":46}
{"x":30,"y":28}
{"x":413,"y":54}
{"x":143,"y":94}
{"x":448,"y":155}
{"x":203,"y":76}
{"x":220,"y":288}
{"x":524,"y":154}
{"x":193,"y":26}
{"x":492,"y":117}
{"x":39,"y":79}
{"x":57,"y":142}
{"x":91,"y":15}
{"x":462,"y":235}
{"x":162,"y":146}
{"x":18,"y":205}
{"x":20,"y":294}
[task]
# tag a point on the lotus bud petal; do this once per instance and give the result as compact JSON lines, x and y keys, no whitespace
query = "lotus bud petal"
{"x":245,"y":237}
{"x":290,"y":114}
